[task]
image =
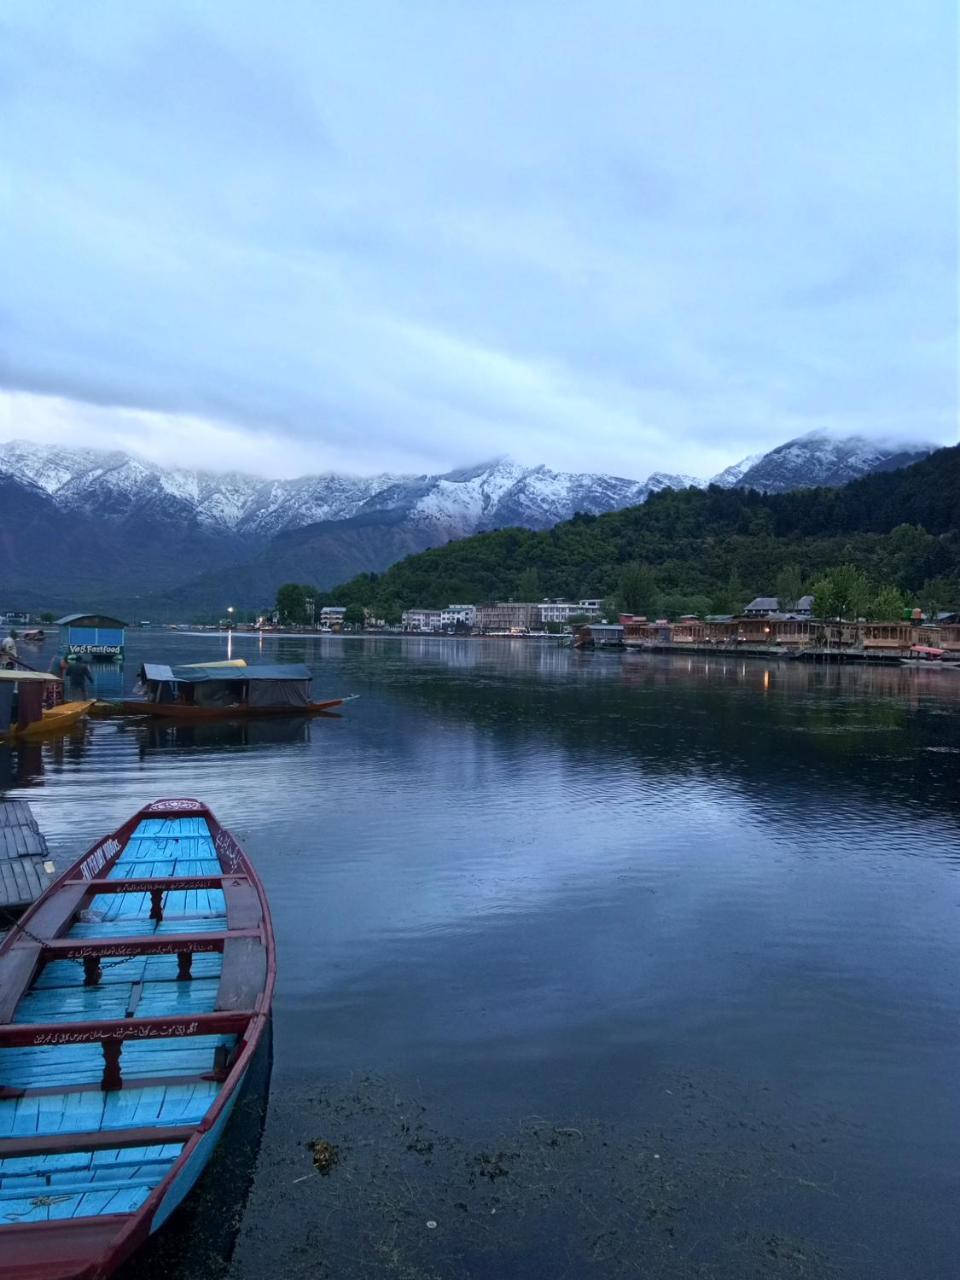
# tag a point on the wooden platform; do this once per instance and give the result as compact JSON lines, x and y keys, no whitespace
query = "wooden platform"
{"x":23,"y":852}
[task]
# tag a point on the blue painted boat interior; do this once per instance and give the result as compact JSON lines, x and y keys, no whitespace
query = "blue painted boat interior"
{"x":82,"y":1183}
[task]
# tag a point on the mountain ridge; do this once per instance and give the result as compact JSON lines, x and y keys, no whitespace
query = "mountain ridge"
{"x":109,"y":527}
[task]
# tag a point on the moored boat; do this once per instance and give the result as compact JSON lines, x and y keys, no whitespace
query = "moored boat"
{"x":133,"y":997}
{"x":28,"y":717}
{"x":57,"y":719}
{"x":221,"y":691}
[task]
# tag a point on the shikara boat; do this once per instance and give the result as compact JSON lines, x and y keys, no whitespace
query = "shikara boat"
{"x":218,"y":691}
{"x":27,"y":717}
{"x":32,"y":719}
{"x":57,"y":719}
{"x":133,"y":997}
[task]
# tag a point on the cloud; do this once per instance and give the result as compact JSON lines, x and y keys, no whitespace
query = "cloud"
{"x":411,"y":236}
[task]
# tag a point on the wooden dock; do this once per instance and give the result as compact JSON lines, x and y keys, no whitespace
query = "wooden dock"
{"x":24,"y":859}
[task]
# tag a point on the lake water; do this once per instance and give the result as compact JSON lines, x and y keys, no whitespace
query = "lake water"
{"x":590,"y":965}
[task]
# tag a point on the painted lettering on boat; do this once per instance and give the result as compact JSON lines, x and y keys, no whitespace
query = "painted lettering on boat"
{"x":167,"y":1030}
{"x":99,"y":857}
{"x":169,"y":806}
{"x":228,"y":850}
{"x":171,"y":883}
{"x":138,"y":949}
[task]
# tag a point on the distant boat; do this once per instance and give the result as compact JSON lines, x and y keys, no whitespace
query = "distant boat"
{"x":133,"y":997}
{"x":224,"y":690}
{"x":923,"y":655}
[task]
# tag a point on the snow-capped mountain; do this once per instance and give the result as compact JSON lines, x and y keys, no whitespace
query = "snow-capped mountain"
{"x":819,"y":458}
{"x":134,"y":529}
{"x":116,"y":486}
{"x":731,"y":476}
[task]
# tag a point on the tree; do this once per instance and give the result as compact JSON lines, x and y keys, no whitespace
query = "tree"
{"x":731,"y":598}
{"x":886,"y":606}
{"x":842,"y":593}
{"x":937,"y":594}
{"x":637,"y":590}
{"x":789,"y":586}
{"x":354,"y":615}
{"x":528,"y":586}
{"x":292,"y":603}
{"x":46,"y":617}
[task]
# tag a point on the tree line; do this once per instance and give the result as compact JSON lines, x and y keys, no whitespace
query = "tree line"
{"x":869,"y":549}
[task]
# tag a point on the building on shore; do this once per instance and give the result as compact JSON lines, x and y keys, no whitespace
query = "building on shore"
{"x":553,"y":611}
{"x":421,"y":619}
{"x":508,"y":616}
{"x":788,"y":632}
{"x":332,"y":616}
{"x":458,"y":615}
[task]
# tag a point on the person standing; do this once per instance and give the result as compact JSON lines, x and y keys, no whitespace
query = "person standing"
{"x":8,"y":650}
{"x":78,"y":676}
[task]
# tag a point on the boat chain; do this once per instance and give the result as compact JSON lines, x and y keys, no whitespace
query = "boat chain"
{"x":17,"y":927}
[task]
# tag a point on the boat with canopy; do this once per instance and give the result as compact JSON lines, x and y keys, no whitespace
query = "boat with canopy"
{"x":210,"y":691}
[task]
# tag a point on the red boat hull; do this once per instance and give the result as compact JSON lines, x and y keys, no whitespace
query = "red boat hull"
{"x":92,"y":1247}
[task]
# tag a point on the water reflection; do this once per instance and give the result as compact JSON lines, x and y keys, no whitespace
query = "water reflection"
{"x":515,"y":880}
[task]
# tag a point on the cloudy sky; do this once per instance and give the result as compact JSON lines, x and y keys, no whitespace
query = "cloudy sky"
{"x":609,"y":236}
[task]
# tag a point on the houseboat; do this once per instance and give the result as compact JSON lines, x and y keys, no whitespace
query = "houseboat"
{"x":206,"y":692}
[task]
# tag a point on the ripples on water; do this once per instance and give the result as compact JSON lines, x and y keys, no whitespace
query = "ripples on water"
{"x":516,"y":881}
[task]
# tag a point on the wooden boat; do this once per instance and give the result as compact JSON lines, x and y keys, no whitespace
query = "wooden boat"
{"x":133,"y":997}
{"x":925,"y":655}
{"x":186,"y":711}
{"x":57,"y":719}
{"x":29,"y":687}
{"x":222,"y":692}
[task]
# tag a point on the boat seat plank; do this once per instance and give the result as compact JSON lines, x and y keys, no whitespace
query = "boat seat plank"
{"x":243,"y":904}
{"x":18,"y":971}
{"x":243,"y":973}
{"x":52,"y":916}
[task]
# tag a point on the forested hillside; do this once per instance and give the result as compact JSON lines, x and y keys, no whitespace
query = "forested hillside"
{"x":705,"y":550}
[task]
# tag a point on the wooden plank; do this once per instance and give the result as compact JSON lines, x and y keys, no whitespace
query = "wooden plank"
{"x":243,"y":975}
{"x":20,"y":879}
{"x":243,"y":903}
{"x":19,"y":965}
{"x":20,"y":837}
{"x":55,"y":913}
{"x":105,"y":1139}
{"x":133,"y":1083}
{"x":173,"y":1028}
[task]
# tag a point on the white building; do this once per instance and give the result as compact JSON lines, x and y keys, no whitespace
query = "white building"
{"x":563,"y":610}
{"x":454,"y":614}
{"x":421,"y":619}
{"x":332,"y":613}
